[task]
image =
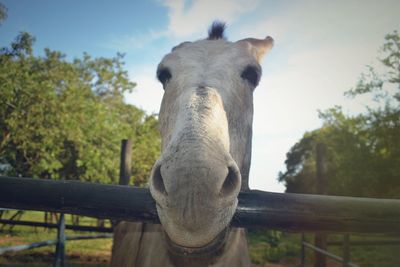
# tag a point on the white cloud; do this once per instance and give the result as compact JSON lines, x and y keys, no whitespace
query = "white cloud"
{"x":134,"y":41}
{"x":287,"y":100}
{"x":321,"y":21}
{"x":267,"y":159}
{"x":187,"y":18}
{"x":316,"y":79}
{"x":148,"y":92}
{"x":321,"y":49}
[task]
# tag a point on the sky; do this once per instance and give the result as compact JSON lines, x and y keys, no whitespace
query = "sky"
{"x":321,"y":48}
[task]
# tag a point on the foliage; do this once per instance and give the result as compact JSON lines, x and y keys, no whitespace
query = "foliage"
{"x":62,"y":119}
{"x":271,"y":246}
{"x":363,"y":151}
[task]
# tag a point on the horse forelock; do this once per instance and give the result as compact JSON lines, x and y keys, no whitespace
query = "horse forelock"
{"x":216,"y":31}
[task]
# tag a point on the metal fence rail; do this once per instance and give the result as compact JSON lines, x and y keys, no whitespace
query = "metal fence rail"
{"x":394,"y":242}
{"x":328,"y":254}
{"x":293,"y":212}
{"x":345,"y":244}
{"x":83,"y":228}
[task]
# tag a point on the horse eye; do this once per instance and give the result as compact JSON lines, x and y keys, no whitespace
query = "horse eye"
{"x":163,"y":75}
{"x":251,"y":74}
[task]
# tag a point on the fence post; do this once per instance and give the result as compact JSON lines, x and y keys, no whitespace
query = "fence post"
{"x":125,"y":168}
{"x":125,"y":164}
{"x":60,"y":246}
{"x":346,"y":250}
{"x":303,"y":251}
{"x":320,"y":238}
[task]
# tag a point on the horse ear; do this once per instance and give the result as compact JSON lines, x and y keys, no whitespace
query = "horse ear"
{"x":258,"y":47}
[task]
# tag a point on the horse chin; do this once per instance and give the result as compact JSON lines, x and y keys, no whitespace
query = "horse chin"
{"x":213,"y":247}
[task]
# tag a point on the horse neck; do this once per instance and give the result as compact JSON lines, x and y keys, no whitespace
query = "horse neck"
{"x":245,"y":166}
{"x":139,"y":244}
{"x":233,"y":253}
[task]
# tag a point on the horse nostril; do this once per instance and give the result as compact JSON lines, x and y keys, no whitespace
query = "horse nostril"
{"x":231,"y":183}
{"x":158,"y":181}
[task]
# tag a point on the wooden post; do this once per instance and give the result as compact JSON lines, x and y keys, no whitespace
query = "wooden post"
{"x":125,"y":167}
{"x":321,"y":182}
{"x":320,"y":238}
{"x":60,"y":246}
{"x":303,"y":251}
{"x":125,"y":164}
{"x":346,"y":250}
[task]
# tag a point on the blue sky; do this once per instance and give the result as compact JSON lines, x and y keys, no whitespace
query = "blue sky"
{"x":321,"y":48}
{"x":77,"y":26}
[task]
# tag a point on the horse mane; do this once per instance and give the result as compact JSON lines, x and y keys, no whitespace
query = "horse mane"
{"x":216,"y":31}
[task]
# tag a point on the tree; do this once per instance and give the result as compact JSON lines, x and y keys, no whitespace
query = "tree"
{"x":363,"y":150}
{"x":61,"y":119}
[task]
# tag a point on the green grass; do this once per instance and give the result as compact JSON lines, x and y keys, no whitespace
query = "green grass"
{"x":94,"y":251}
{"x":264,"y":247}
{"x":371,"y":256}
{"x":286,"y":249}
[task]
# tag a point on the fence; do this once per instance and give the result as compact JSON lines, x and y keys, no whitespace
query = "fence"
{"x":84,"y":228}
{"x":61,"y":238}
{"x":346,"y":243}
{"x":291,"y":212}
{"x":125,"y":173}
{"x":321,"y":244}
{"x":345,"y":260}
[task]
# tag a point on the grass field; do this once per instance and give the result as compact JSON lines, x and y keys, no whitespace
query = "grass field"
{"x":284,"y":248}
{"x":94,"y":252}
{"x":267,"y":248}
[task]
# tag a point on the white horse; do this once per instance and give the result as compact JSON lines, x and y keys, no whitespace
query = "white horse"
{"x":206,"y":128}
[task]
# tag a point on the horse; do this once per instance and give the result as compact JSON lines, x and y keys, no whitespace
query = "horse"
{"x":205,"y":121}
